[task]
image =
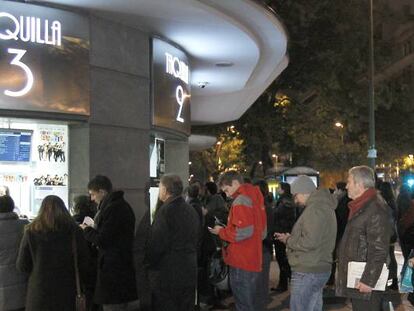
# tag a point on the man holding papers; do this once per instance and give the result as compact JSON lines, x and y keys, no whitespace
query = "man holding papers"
{"x":366,"y":240}
{"x":112,"y":232}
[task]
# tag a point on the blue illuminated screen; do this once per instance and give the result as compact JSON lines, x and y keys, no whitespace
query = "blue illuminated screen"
{"x":15,"y":145}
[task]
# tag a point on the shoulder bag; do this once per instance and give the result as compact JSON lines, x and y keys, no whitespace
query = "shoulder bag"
{"x":80,"y":297}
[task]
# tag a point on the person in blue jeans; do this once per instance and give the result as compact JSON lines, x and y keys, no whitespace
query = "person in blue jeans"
{"x":243,"y":237}
{"x":310,"y":245}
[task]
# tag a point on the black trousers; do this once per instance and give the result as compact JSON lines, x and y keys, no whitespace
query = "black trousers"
{"x":174,"y":299}
{"x":374,"y":304}
{"x":284,"y":267}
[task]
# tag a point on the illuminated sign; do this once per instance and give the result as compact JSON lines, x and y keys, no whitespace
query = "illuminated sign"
{"x":44,"y":59}
{"x":27,"y":29}
{"x":171,"y":88}
{"x":33,"y":29}
{"x":16,"y":61}
{"x":176,"y":67}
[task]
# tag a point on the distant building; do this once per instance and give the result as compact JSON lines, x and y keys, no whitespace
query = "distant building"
{"x":394,"y":21}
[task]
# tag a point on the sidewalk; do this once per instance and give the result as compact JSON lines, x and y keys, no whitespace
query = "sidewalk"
{"x":280,"y":302}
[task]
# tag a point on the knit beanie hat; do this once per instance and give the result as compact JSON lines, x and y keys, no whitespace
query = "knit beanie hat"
{"x":302,"y":184}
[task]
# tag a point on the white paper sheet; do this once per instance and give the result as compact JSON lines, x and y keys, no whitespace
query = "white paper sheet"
{"x":355,"y":270}
{"x":88,"y":221}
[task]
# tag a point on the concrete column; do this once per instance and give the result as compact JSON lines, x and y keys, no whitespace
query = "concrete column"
{"x":176,"y":158}
{"x":115,"y":141}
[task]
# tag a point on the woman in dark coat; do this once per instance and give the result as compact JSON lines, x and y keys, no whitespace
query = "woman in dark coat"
{"x":12,"y":283}
{"x":285,"y":215}
{"x":405,"y":220}
{"x":46,"y":254}
{"x":83,"y":207}
{"x":388,"y":195}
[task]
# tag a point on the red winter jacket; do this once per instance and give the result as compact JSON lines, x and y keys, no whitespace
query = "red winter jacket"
{"x":246,"y":228}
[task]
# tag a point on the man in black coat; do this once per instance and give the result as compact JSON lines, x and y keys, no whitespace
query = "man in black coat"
{"x":366,"y":239}
{"x":113,"y":234}
{"x":172,"y":249}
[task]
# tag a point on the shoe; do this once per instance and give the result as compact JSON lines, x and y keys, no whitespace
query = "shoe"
{"x":219,"y":306}
{"x":394,"y":285}
{"x":410,"y":298}
{"x":279,"y":289}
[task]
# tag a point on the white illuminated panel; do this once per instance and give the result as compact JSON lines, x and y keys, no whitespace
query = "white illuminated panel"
{"x":291,"y":179}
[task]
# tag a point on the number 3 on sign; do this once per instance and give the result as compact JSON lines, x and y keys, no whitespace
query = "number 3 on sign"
{"x":16,"y":61}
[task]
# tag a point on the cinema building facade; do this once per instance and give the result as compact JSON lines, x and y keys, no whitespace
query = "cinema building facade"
{"x":91,"y":88}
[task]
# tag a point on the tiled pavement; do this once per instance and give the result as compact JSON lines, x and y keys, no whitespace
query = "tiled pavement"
{"x":280,"y":301}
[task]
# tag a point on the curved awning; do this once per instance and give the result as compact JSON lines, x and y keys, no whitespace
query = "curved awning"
{"x":236,"y":47}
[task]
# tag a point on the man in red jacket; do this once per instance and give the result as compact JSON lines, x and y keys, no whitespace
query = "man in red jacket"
{"x":246,"y":228}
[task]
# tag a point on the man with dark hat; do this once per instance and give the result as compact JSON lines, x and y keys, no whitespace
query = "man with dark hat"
{"x":309,"y":247}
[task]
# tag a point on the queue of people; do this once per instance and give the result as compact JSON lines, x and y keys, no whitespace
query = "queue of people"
{"x":224,"y":232}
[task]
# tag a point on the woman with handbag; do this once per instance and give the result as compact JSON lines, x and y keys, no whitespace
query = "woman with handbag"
{"x":54,"y":254}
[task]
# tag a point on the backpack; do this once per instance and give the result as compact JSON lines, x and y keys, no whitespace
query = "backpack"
{"x":218,"y":271}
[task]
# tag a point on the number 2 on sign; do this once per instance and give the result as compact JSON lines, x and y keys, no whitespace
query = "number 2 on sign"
{"x":180,"y":96}
{"x":16,"y":61}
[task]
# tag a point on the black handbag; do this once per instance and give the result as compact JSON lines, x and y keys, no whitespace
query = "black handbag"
{"x":218,"y":271}
{"x":80,"y":297}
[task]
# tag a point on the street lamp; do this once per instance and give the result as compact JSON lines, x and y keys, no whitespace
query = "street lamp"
{"x":372,"y":152}
{"x":274,"y":156}
{"x":340,"y":126}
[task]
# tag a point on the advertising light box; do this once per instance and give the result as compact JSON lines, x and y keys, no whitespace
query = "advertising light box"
{"x":44,"y":59}
{"x":34,"y":162}
{"x":15,"y":145}
{"x":170,"y":87}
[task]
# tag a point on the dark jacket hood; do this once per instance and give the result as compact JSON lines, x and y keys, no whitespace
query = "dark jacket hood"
{"x":7,"y":216}
{"x":322,"y":199}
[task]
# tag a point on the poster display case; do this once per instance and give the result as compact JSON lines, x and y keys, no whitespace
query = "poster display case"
{"x":37,"y":169}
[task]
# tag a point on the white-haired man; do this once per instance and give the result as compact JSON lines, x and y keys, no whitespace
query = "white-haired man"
{"x":366,"y":239}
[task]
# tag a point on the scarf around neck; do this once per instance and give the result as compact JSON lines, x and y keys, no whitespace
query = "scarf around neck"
{"x":358,"y":203}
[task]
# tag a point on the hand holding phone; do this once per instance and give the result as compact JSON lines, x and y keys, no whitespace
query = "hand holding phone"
{"x":215,"y":230}
{"x":282,"y":237}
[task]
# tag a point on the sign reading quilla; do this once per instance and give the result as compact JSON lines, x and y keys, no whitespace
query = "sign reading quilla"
{"x":171,"y":87}
{"x":44,"y":59}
